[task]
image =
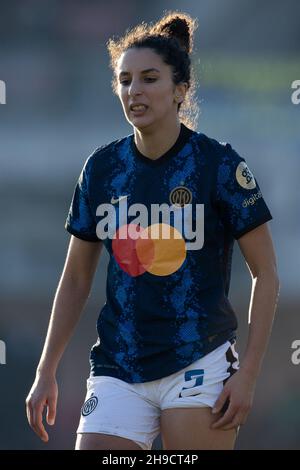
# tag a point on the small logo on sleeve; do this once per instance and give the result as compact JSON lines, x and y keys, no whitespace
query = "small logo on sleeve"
{"x":89,"y":406}
{"x":244,"y":176}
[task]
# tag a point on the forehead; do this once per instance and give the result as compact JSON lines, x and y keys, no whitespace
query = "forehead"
{"x":139,"y":60}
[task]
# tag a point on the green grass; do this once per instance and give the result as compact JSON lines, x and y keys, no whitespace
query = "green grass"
{"x":251,"y":74}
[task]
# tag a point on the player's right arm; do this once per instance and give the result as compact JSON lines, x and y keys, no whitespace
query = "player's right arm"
{"x":72,"y":292}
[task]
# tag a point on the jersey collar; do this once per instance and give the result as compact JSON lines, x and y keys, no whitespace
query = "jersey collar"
{"x":182,"y":139}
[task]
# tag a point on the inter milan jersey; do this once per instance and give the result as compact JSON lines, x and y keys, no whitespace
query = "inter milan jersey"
{"x":169,"y":226}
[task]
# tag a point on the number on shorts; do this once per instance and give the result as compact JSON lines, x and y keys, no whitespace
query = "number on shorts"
{"x":197,"y":374}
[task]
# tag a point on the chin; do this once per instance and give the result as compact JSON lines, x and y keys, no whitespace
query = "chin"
{"x":140,"y":124}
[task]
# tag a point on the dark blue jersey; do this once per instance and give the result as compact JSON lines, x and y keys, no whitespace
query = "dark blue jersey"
{"x":166,"y":292}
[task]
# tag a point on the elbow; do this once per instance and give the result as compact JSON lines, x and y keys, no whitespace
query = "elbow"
{"x":270,"y":277}
{"x":78,"y":283}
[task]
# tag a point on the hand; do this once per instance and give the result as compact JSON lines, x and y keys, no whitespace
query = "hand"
{"x":239,"y":391}
{"x":43,"y":393}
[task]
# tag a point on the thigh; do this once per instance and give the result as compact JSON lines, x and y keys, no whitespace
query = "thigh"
{"x":93,"y":441}
{"x":190,"y":428}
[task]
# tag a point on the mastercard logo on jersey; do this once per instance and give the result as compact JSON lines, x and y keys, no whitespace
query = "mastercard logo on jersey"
{"x":146,"y":240}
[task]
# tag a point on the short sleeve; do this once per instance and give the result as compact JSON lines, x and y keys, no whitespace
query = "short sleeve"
{"x":239,"y":198}
{"x":80,"y":221}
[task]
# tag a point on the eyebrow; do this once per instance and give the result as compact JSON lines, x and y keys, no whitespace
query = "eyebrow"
{"x":142,"y":72}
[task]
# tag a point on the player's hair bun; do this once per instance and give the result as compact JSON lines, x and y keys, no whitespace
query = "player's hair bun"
{"x":179,"y":26}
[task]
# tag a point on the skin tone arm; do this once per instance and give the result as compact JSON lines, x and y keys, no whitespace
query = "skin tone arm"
{"x":71,"y":295}
{"x":257,"y":248}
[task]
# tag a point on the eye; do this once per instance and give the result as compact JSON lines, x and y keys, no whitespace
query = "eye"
{"x":147,"y":80}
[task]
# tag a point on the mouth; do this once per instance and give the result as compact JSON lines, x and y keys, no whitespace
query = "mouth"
{"x":138,"y":109}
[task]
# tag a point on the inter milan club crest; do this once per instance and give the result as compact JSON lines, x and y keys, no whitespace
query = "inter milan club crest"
{"x":89,"y":405}
{"x":180,"y":196}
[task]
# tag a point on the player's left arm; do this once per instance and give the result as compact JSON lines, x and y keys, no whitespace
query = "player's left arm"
{"x":258,"y":251}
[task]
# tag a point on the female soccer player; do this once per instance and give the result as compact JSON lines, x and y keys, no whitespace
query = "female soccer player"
{"x":167,"y":202}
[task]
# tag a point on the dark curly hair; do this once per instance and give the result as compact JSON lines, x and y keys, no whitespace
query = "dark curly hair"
{"x":171,"y":38}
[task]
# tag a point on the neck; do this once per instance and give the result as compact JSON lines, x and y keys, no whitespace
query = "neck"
{"x":155,"y":142}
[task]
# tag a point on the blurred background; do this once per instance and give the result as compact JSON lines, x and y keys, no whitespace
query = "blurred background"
{"x":60,"y":107}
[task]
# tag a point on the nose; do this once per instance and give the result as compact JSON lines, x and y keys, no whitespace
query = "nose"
{"x":134,"y":88}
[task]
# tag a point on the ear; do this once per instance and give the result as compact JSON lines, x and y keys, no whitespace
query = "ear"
{"x":180,"y":92}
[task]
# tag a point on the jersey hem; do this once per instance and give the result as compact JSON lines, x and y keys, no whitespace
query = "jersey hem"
{"x":220,"y":338}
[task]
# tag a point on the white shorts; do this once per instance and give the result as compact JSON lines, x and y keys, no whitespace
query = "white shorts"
{"x":132,"y":411}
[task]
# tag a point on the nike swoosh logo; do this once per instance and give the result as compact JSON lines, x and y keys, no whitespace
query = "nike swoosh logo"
{"x":114,"y":201}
